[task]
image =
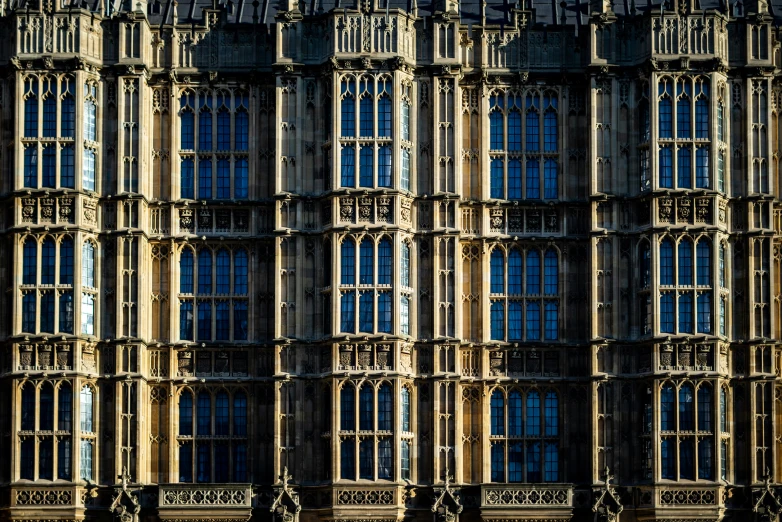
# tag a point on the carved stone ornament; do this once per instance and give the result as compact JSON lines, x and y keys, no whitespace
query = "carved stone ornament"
{"x":89,"y":210}
{"x":186,"y":219}
{"x":346,"y":209}
{"x":607,"y":505}
{"x":285,"y":507}
{"x":665,"y":209}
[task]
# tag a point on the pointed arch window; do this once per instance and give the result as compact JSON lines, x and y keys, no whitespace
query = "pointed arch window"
{"x":666,"y":262}
{"x":667,"y":412}
{"x":405,"y":268}
{"x":222,"y":423}
{"x":85,"y":405}
{"x":348,"y":408}
{"x":665,"y":105}
{"x":497,"y":272}
{"x":497,"y":413}
{"x":348,"y":109}
{"x":405,"y":409}
{"x":685,"y":263}
{"x":31,"y":108}
{"x":367,"y":120}
{"x":50,"y":112}
{"x":204,"y":414}
{"x":367,"y":262}
{"x":384,"y":408}
{"x":384,"y":115}
{"x":47,"y":262}
{"x":205,"y":271}
{"x":64,"y":407}
{"x":686,"y":412}
{"x":88,"y":264}
{"x":186,"y":414}
{"x":366,"y":408}
{"x":683,"y":108}
{"x":28,"y":407}
{"x":66,"y":261}
{"x":384,"y":261}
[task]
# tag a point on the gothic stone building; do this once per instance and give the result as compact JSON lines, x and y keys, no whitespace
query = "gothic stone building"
{"x":391,"y":262}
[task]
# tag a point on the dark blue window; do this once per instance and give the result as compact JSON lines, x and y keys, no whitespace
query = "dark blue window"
{"x":366,"y":166}
{"x":532,"y":124}
{"x":240,"y":414}
{"x":65,"y":407}
{"x":685,"y":263}
{"x":66,"y":312}
{"x":205,"y":271}
{"x":366,"y":399}
{"x":552,"y":462}
{"x":240,"y":321}
{"x":241,"y":179}
{"x":552,"y":321}
{"x":533,"y":414}
{"x":223,"y":179}
{"x":515,"y":414}
{"x":367,"y":121}
{"x":64,"y":459}
{"x":347,"y":408}
{"x":515,"y":272}
{"x":204,"y":417}
{"x":384,"y":312}
{"x":28,"y":407}
{"x":703,"y":251}
{"x":497,"y":272}
{"x":665,"y":107}
{"x":348,"y":313}
{"x":385,"y":418}
{"x":67,"y":167}
{"x":223,"y":272}
{"x":514,"y":321}
{"x":187,"y":178}
{"x":242,"y":129}
{"x":667,"y":415}
{"x":684,"y":167}
{"x":348,"y":111}
{"x":47,"y":262}
{"x":705,"y":459}
{"x":666,"y":313}
{"x":221,"y":450}
{"x":666,"y":167}
{"x":551,"y":273}
{"x":550,"y":129}
{"x":497,"y":321}
{"x":533,"y":321}
{"x":205,"y":179}
{"x":686,"y":411}
{"x":223,"y":130}
{"x":68,"y":116}
{"x":702,"y":167}
{"x":31,"y":114}
{"x":186,"y":320}
{"x":186,"y":462}
{"x":550,"y":180}
{"x":514,"y":131}
{"x":497,"y":413}
{"x":384,"y":116}
{"x":686,"y":460}
{"x":186,"y":133}
{"x":385,"y":458}
{"x":384,"y":261}
{"x":533,"y":179}
{"x":30,"y":262}
{"x":702,"y":118}
{"x":704,"y":408}
{"x":348,"y":160}
{"x":683,"y":120}
{"x":366,"y":459}
{"x":240,"y":272}
{"x":47,"y":312}
{"x":514,"y":179}
{"x":186,"y":272}
{"x":366,"y":312}
{"x":205,"y":130}
{"x":49,"y":167}
{"x":222,"y":321}
{"x":384,"y":166}
{"x":203,"y":462}
{"x":366,"y":262}
{"x":666,"y":262}
{"x":497,"y":463}
{"x":347,"y":450}
{"x":27,"y":458}
{"x":185,"y":414}
{"x":685,"y":313}
{"x":28,"y":312}
{"x":46,"y":408}
{"x":50,"y":116}
{"x":205,"y":320}
{"x":66,"y":261}
{"x":496,"y":131}
{"x":31,"y":166}
{"x":533,"y":272}
{"x":348,"y":262}
{"x":496,"y":179}
{"x":704,"y":313}
{"x":533,"y":462}
{"x":222,"y":424}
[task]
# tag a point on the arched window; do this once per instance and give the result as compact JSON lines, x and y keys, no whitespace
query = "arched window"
{"x":497,"y":321}
{"x":703,"y":251}
{"x":204,"y":417}
{"x":241,"y":129}
{"x":64,"y":407}
{"x":28,"y":407}
{"x":366,"y":399}
{"x":46,"y":407}
{"x":667,"y":412}
{"x":497,"y":413}
{"x":223,"y":272}
{"x":551,"y":273}
{"x":515,"y":415}
{"x":85,"y":405}
{"x":240,"y":272}
{"x":533,"y":179}
{"x":205,"y":126}
{"x":384,"y":408}
{"x":702,"y":176}
{"x":47,"y":262}
{"x":665,"y":106}
{"x":533,"y":272}
{"x":204,"y":271}
{"x":68,"y":116}
{"x":550,"y":126}
{"x":367,"y":121}
{"x":366,"y":166}
{"x":348,"y":109}
{"x":384,"y":261}
{"x":222,"y":424}
{"x":666,"y":262}
{"x":367,"y":262}
{"x":384,"y":116}
{"x":186,"y":272}
{"x":514,"y":130}
{"x":497,"y":272}
{"x":50,"y":114}
{"x":29,"y":262}
{"x":347,"y":406}
{"x":348,"y":262}
{"x":88,"y":264}
{"x":187,"y":125}
{"x":515,"y":272}
{"x":702,"y":118}
{"x":405,"y":409}
{"x":49,"y":169}
{"x":686,"y":410}
{"x":186,"y":414}
{"x":66,"y":261}
{"x":240,"y":414}
{"x":704,"y":408}
{"x":532,"y":124}
{"x":683,"y":116}
{"x":685,"y":263}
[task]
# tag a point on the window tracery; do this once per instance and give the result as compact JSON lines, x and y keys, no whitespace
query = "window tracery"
{"x":687,"y":431}
{"x":686,"y":293}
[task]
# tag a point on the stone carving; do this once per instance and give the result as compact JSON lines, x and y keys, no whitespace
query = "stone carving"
{"x":286,"y":506}
{"x":684,"y":209}
{"x":28,"y":209}
{"x":66,"y":210}
{"x":185,"y":360}
{"x":88,"y":358}
{"x":607,"y":505}
{"x":25,"y":356}
{"x":47,"y":208}
{"x":665,"y":209}
{"x":364,"y":209}
{"x":89,"y":212}
{"x":406,"y":211}
{"x":44,"y":497}
{"x":346,"y":356}
{"x":447,"y":502}
{"x":526,"y":496}
{"x":186,"y":219}
{"x":365,"y":497}
{"x":766,"y":503}
{"x":346,"y":209}
{"x":688,"y":497}
{"x":204,"y":496}
{"x":497,"y":219}
{"x":703,"y":210}
{"x":383,"y":209}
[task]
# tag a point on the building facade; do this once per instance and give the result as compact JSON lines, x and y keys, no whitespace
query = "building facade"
{"x":386,"y":261}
